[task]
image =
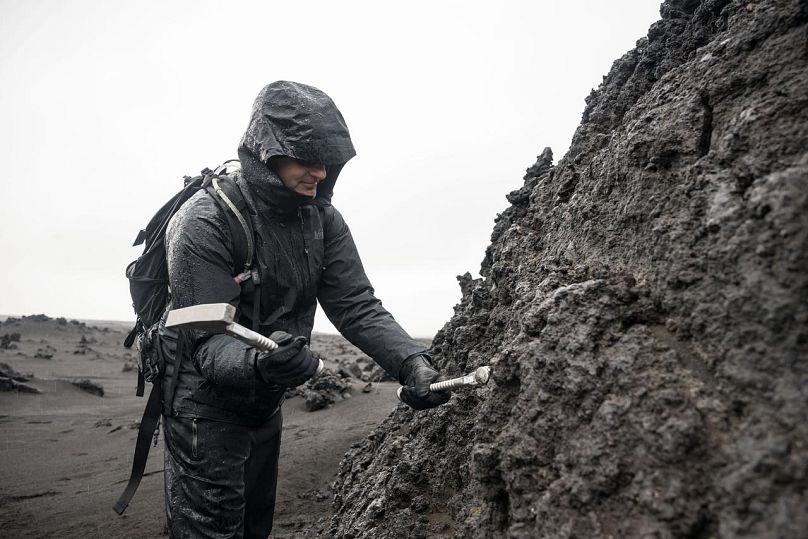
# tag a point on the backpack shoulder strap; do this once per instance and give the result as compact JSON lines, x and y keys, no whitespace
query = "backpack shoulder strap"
{"x":228,"y":195}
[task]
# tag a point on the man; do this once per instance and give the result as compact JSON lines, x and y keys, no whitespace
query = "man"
{"x":223,"y":421}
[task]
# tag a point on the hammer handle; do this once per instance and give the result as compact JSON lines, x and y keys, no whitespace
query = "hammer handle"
{"x":454,"y":383}
{"x":259,"y":341}
{"x":477,"y":378}
{"x":250,"y":337}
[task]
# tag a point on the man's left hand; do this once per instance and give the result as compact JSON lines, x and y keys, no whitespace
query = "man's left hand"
{"x":416,"y":375}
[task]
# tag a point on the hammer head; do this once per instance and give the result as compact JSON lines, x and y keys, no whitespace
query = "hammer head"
{"x":211,"y":317}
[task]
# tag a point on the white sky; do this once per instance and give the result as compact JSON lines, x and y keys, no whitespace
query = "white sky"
{"x":105,"y":105}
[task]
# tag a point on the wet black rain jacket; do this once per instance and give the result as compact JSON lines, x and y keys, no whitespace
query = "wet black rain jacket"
{"x":304,"y":253}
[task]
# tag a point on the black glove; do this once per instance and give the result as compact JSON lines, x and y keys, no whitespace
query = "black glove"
{"x":290,"y":364}
{"x":415,"y":375}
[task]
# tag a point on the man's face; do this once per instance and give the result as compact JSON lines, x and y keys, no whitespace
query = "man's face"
{"x":300,"y":176}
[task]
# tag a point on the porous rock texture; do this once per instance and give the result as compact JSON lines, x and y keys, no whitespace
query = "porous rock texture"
{"x":644,"y":304}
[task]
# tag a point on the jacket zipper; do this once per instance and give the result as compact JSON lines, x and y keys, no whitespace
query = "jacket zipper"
{"x":194,"y":438}
{"x":305,"y":243}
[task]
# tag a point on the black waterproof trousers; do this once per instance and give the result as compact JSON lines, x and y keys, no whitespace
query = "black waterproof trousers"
{"x":220,"y":478}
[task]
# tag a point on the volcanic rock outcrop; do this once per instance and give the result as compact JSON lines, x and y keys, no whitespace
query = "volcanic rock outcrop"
{"x":644,"y":304}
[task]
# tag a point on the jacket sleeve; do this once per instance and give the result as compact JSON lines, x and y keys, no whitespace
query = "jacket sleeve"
{"x":200,"y":265}
{"x":348,"y":299}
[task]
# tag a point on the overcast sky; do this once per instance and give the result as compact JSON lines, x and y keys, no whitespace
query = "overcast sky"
{"x":105,"y":105}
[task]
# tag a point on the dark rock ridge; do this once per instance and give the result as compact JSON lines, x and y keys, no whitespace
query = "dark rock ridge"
{"x":644,"y":304}
{"x":11,"y":380}
{"x":89,"y":386}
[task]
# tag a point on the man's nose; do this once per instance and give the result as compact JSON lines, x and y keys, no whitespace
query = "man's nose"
{"x":318,"y":171}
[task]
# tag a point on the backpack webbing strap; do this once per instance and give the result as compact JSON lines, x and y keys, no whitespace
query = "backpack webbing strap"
{"x":148,"y":424}
{"x":141,"y":384}
{"x":151,"y":415}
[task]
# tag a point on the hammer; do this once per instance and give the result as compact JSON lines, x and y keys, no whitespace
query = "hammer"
{"x":479,"y":377}
{"x":218,"y":318}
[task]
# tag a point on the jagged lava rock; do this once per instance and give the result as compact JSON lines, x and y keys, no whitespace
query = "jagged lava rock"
{"x":644,"y":304}
{"x":8,"y":372}
{"x":89,"y":386}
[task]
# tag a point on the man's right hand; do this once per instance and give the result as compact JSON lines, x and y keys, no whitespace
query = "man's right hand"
{"x":290,"y":364}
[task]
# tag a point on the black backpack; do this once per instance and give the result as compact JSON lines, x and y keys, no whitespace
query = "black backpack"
{"x":148,"y":286}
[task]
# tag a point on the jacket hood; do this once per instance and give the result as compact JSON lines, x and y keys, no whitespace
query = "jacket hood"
{"x":299,"y":121}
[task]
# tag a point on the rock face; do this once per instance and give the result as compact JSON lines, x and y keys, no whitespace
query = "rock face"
{"x":644,"y":304}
